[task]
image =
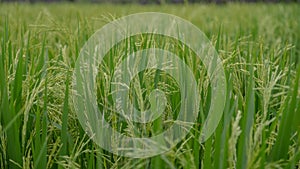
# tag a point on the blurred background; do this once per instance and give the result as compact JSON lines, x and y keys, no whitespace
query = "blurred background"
{"x":156,"y":1}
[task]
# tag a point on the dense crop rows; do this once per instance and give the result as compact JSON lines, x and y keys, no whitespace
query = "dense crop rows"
{"x":260,"y":49}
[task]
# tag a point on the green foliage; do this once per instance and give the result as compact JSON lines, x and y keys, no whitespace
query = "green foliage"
{"x":259,"y":45}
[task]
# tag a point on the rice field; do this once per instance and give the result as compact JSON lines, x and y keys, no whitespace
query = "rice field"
{"x":258,"y":44}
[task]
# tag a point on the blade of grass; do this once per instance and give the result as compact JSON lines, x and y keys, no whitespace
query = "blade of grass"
{"x":286,"y":125}
{"x":40,"y":155}
{"x":64,"y":130}
{"x":221,"y":149}
{"x":8,"y":111}
{"x":247,"y":122}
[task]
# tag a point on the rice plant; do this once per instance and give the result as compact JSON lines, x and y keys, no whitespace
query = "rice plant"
{"x":259,"y":45}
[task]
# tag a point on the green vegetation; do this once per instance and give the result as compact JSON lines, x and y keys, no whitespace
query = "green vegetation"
{"x":260,"y":48}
